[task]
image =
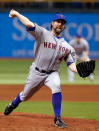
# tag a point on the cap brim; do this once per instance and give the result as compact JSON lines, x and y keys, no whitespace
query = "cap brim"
{"x":61,"y":20}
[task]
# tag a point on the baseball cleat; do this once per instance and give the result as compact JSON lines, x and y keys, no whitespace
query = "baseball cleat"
{"x":59,"y":123}
{"x":9,"y":108}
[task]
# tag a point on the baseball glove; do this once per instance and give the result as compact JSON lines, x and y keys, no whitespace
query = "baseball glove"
{"x":85,"y":68}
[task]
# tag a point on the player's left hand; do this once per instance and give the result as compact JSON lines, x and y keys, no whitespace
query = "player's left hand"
{"x":83,"y":59}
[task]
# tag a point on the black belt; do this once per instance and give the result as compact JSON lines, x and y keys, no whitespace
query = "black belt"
{"x":43,"y":71}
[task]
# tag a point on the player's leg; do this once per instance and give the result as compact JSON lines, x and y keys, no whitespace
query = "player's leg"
{"x":53,"y":82}
{"x":91,"y":76}
{"x":33,"y":84}
{"x":11,"y":106}
{"x":71,"y":75}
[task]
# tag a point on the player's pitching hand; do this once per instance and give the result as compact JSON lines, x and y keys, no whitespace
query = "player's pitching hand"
{"x":12,"y":13}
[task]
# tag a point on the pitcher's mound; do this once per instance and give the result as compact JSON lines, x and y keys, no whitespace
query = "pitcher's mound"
{"x":32,"y":122}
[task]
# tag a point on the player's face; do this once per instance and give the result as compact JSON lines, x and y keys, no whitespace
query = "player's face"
{"x":78,"y":39}
{"x":58,"y":26}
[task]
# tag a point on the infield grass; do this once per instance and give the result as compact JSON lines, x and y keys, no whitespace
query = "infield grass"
{"x":15,"y":71}
{"x":85,"y":110}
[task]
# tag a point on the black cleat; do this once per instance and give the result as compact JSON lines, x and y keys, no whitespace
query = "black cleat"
{"x":59,"y":123}
{"x":9,"y":108}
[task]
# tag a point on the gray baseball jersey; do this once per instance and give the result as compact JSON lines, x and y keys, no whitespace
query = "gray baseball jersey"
{"x":50,"y":50}
{"x":79,"y":47}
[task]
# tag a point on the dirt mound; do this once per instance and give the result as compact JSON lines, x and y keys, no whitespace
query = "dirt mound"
{"x":33,"y":122}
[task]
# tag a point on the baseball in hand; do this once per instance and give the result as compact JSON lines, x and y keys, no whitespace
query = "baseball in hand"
{"x":12,"y":13}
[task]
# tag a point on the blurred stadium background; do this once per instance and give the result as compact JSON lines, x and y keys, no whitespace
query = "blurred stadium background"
{"x":82,"y":16}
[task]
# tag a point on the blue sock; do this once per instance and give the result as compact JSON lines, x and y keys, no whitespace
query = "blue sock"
{"x":56,"y":101}
{"x":16,"y":101}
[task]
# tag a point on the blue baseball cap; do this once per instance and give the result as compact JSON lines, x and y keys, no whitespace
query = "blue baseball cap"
{"x":59,"y":17}
{"x":78,"y":35}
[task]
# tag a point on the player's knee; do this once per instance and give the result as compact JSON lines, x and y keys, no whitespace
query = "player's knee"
{"x":56,"y":84}
{"x":55,"y":87}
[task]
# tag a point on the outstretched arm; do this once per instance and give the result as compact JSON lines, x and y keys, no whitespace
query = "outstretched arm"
{"x":25,"y":21}
{"x":72,"y":67}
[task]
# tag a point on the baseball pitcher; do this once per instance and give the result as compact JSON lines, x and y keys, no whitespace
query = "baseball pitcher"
{"x":49,"y":50}
{"x":82,"y":50}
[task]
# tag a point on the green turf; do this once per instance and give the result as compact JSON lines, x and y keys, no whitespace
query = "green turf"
{"x":16,"y":71}
{"x":86,"y":110}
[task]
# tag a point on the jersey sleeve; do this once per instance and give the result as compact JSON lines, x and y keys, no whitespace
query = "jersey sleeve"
{"x":36,"y":31}
{"x":71,"y":58}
